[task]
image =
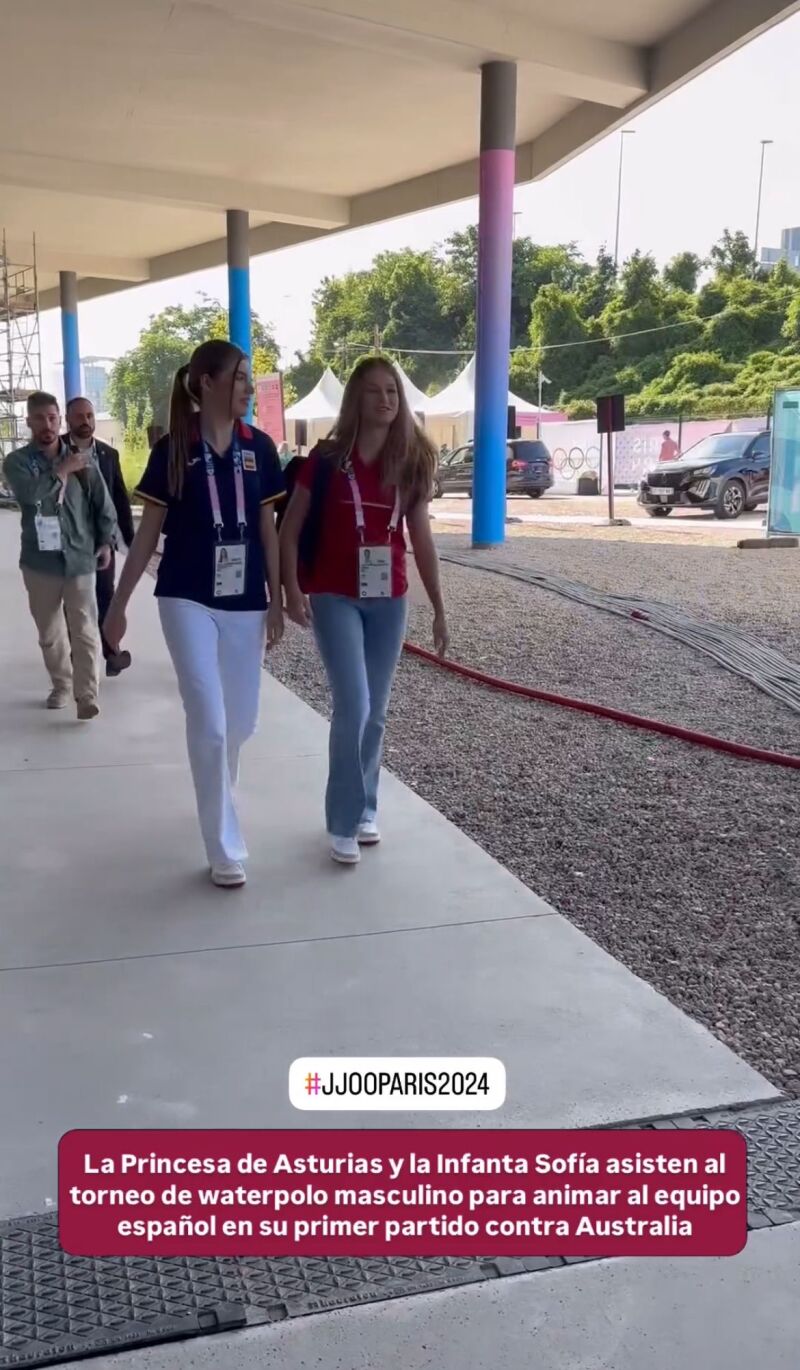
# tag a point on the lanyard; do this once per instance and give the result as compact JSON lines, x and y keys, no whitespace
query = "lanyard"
{"x":359,"y":508}
{"x":238,"y":480}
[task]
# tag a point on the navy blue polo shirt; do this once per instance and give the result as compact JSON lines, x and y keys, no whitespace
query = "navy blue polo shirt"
{"x":186,"y":570}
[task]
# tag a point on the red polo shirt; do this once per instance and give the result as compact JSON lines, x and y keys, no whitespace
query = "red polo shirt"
{"x":335,"y":569}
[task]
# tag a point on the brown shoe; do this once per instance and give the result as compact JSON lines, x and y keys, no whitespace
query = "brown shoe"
{"x":57,"y":699}
{"x":87,"y":709}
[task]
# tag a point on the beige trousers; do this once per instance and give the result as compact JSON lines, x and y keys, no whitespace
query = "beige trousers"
{"x":71,"y":665}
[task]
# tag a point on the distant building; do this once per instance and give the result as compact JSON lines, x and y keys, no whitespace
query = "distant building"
{"x":789,"y":250}
{"x":95,"y":382}
{"x":95,"y":373}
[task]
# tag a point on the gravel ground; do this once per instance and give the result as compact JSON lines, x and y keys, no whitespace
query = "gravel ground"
{"x":757,"y":591}
{"x":681,"y":862}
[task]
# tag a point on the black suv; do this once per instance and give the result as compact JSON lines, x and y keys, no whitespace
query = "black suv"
{"x":529,"y":469}
{"x":728,"y":472}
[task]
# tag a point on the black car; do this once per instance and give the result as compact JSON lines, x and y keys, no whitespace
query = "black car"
{"x":529,"y":469}
{"x":728,"y":473}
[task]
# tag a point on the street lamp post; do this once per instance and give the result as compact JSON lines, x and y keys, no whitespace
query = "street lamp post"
{"x":623,"y":133}
{"x":765,"y":143}
{"x":543,"y":380}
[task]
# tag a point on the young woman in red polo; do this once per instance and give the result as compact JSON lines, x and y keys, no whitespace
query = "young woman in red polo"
{"x":210,"y":486}
{"x":343,"y":563}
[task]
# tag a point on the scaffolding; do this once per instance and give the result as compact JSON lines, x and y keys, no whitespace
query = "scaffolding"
{"x":20,"y":346}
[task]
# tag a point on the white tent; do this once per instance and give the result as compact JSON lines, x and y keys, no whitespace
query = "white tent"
{"x":417,"y":399}
{"x":459,"y":398}
{"x":323,"y":402}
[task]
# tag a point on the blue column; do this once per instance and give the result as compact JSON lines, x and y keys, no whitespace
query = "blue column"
{"x":495,"y":245}
{"x":68,"y":284}
{"x":239,"y":330}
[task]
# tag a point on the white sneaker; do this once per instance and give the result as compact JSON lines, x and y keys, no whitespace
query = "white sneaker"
{"x":368,"y":833}
{"x":228,"y":875}
{"x":344,"y":850}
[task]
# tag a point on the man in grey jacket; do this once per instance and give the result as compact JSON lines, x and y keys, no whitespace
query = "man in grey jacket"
{"x":68,"y":530}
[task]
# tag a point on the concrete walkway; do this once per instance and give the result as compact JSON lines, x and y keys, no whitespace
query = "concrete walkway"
{"x":609,"y":1315}
{"x":136,"y":995}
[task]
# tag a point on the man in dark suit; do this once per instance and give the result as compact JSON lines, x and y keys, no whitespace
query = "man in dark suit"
{"x":81,"y":425}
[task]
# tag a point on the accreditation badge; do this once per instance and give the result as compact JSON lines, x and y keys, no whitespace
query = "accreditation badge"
{"x":230,"y":565}
{"x":48,"y":532}
{"x":375,"y":572}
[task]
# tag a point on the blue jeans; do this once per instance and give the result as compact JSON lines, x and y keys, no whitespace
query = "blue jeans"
{"x":360,"y":641}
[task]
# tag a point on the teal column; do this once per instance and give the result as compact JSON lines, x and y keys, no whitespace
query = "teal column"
{"x":239,"y":327}
{"x":68,"y":289}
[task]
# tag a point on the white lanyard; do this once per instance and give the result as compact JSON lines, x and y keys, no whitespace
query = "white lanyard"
{"x":359,"y":508}
{"x":238,"y":480}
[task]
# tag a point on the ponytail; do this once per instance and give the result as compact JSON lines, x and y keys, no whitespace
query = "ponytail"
{"x":209,"y":359}
{"x":182,"y":407}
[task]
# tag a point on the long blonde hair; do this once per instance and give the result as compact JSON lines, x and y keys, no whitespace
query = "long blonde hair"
{"x":209,"y":359}
{"x":408,"y":459}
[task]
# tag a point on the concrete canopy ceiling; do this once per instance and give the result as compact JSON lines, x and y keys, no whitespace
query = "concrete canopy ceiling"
{"x":128,"y":127}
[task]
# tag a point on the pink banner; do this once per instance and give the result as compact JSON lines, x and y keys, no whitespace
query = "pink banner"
{"x":269,"y":405}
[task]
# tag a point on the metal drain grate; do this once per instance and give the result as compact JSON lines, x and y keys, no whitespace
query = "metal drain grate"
{"x":55,"y":1307}
{"x":772,"y":1133}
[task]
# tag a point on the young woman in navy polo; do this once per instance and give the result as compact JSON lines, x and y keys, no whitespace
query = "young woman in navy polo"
{"x":343,"y":561}
{"x":211,"y":486}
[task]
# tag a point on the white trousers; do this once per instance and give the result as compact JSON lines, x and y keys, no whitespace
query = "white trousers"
{"x":217,"y":655}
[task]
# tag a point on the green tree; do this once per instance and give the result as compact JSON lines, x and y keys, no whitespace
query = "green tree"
{"x":791,"y":325}
{"x":580,"y":409}
{"x":644,"y":312}
{"x":556,"y":321}
{"x":639,"y":282}
{"x":398,"y":305}
{"x":598,"y":285}
{"x":682,"y":272}
{"x":679,"y":389}
{"x":697,"y":368}
{"x":712,"y":298}
{"x":782,"y":276}
{"x":532,"y":267}
{"x":732,"y":255}
{"x":668,"y":344}
{"x":738,"y":331}
{"x":303,"y":373}
{"x":141,"y":381}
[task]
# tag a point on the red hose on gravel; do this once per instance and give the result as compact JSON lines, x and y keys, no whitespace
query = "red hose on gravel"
{"x":653,"y":725}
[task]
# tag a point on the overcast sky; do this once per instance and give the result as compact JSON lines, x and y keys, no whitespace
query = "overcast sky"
{"x":690,"y":171}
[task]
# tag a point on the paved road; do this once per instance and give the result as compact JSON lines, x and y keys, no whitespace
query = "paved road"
{"x":589,"y":509}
